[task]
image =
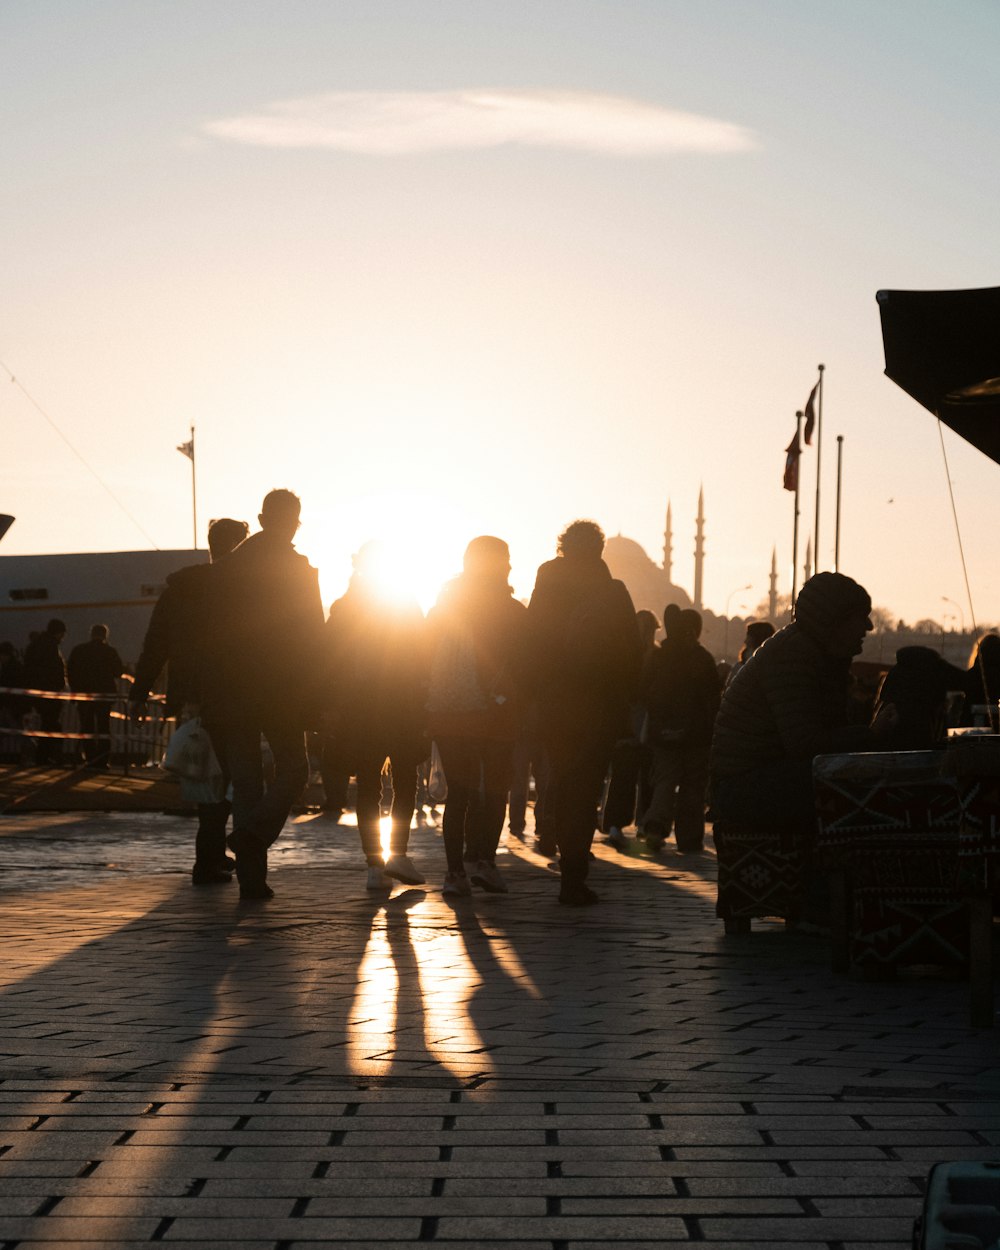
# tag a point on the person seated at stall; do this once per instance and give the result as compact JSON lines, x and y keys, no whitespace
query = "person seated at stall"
{"x":918,"y":686}
{"x":981,"y":683}
{"x":788,"y":704}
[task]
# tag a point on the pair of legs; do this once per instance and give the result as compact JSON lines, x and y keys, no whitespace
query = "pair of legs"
{"x":335,"y":773}
{"x":367,"y":760}
{"x":259,"y":811}
{"x":95,"y":718}
{"x":210,"y":859}
{"x":527,"y":761}
{"x":679,"y":778}
{"x":478,"y":773}
{"x":627,"y":786}
{"x":49,"y":750}
{"x":578,"y":765}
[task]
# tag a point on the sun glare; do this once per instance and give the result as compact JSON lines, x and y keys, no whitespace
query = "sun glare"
{"x":385,"y":835}
{"x":420,"y":543}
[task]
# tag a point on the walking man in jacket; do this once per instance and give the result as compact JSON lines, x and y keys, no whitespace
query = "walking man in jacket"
{"x":263,"y":678}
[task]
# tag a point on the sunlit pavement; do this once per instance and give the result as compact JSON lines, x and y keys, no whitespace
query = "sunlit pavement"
{"x":340,"y":1068}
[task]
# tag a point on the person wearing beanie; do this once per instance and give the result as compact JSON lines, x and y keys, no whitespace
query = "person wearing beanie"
{"x":787,"y":704}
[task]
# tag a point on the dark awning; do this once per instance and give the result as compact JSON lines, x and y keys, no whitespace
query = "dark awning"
{"x":943,"y":348}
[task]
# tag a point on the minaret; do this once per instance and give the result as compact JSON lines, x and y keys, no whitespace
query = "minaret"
{"x":699,"y":549}
{"x":809,"y":558}
{"x":668,"y":546}
{"x":772,"y":594}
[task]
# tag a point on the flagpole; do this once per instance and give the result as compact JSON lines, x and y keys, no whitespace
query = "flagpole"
{"x":795,"y":524}
{"x":819,"y":449}
{"x":840,"y":468}
{"x":194,"y":494}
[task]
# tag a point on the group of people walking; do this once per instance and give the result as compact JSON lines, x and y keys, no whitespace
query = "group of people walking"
{"x":570,"y":686}
{"x":245,"y":641}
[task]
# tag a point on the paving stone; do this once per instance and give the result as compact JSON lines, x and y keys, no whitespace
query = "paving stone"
{"x":626,"y":1228}
{"x":382,"y":1229}
{"x":897,"y":1231}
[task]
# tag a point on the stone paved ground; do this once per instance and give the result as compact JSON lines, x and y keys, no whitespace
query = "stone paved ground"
{"x":341,"y":1069}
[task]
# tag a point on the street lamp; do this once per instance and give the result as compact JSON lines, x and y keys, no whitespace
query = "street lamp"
{"x":729,"y":598}
{"x":945,"y":599}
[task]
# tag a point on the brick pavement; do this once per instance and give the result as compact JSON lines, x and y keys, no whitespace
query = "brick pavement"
{"x":337,"y":1068}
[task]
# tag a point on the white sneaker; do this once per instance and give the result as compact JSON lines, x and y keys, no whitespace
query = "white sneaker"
{"x":377,"y":880}
{"x":614,"y":837}
{"x":487,"y":877}
{"x":456,"y":883}
{"x":404,"y":869}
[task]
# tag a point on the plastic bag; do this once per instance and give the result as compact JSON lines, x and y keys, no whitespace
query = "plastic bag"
{"x":190,"y":757}
{"x":437,"y":782}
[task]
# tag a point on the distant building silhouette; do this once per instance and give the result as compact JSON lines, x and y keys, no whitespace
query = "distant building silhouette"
{"x":648,"y":584}
{"x":652,"y":587}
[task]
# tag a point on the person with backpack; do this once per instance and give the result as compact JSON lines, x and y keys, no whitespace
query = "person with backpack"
{"x":475,"y":639}
{"x":582,"y":664}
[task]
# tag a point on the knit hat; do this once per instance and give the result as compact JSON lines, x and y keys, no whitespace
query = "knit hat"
{"x":826,"y":599}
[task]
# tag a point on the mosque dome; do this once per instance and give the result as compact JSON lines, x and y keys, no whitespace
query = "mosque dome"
{"x":647,"y":583}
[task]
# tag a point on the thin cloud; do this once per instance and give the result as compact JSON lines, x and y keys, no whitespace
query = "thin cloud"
{"x":386,"y":123}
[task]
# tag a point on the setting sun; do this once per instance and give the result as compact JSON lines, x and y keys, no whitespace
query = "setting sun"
{"x":417,"y":541}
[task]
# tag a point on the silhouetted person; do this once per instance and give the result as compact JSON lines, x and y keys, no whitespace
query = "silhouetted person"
{"x":917,"y":686}
{"x":45,"y":669}
{"x":375,"y":649}
{"x":787,"y":705}
{"x":981,"y":682}
{"x":681,"y":695}
{"x":262,"y":677}
{"x":175,"y":639}
{"x":12,"y":677}
{"x":629,"y":782}
{"x":583,"y":657}
{"x":94,"y":668}
{"x":475,"y":637}
{"x":757,"y":634}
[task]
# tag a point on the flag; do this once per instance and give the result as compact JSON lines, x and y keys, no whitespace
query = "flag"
{"x":792,"y":452}
{"x":810,"y":411}
{"x":187,"y":449}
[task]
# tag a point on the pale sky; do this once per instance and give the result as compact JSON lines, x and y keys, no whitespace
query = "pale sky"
{"x":449,"y":267}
